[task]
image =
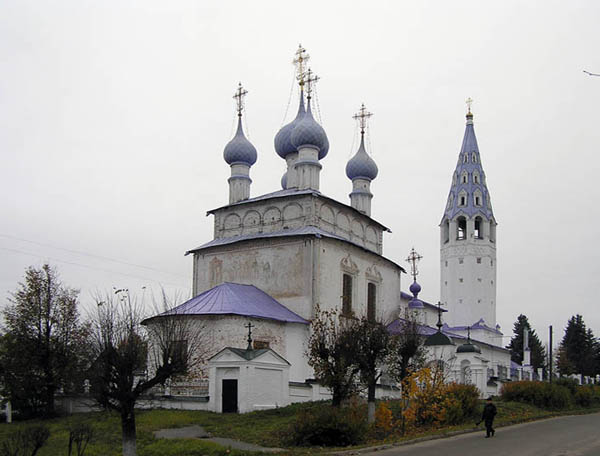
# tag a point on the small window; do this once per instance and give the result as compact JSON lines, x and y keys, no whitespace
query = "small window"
{"x":460,"y":301}
{"x":445,"y":282}
{"x":479,"y":279}
{"x":477,"y":201}
{"x":474,"y":157}
{"x":347,"y":294}
{"x":477,"y":232}
{"x":492,"y":282}
{"x":476,"y":178}
{"x":465,"y":158}
{"x":478,"y":260}
{"x":464,"y":179}
{"x":460,"y":280}
{"x":491,"y":262}
{"x":371,"y":301}
{"x":461,"y":260}
{"x":446,"y":263}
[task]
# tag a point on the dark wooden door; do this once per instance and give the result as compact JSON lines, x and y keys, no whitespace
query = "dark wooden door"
{"x":230,"y":396}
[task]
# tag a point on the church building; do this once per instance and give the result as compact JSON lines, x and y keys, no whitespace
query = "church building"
{"x":276,"y":258}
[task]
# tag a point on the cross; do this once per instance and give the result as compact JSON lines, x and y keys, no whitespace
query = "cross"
{"x":413,"y":259}
{"x":439,"y":323}
{"x":300,"y":62}
{"x":469,"y":102}
{"x":310,"y":80}
{"x":362,"y":115}
{"x":239,"y":95}
{"x":249,"y":326}
{"x":468,"y":334}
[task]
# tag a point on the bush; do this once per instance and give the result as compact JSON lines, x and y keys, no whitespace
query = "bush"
{"x":329,"y":426}
{"x":570,"y":383}
{"x":26,"y":442}
{"x":462,"y":401}
{"x":540,"y":394}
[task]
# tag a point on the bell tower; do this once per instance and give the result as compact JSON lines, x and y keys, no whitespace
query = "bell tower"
{"x":468,"y":240}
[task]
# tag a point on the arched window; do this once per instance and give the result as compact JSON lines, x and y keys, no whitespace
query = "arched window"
{"x":461,"y":228}
{"x":474,"y":158}
{"x":347,"y":294}
{"x":475,"y":177}
{"x":465,"y":372}
{"x":465,"y":158}
{"x":371,"y":301}
{"x":478,"y":230}
{"x":462,"y":198}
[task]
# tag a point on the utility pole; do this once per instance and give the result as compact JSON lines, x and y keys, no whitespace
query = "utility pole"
{"x":551,"y":360}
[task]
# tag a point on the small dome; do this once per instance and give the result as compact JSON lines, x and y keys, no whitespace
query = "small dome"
{"x":438,"y":338}
{"x":468,"y":347}
{"x":415,"y":288}
{"x":307,"y":132}
{"x":239,"y":149}
{"x":363,"y":166}
{"x":284,"y":181}
{"x":283,"y":143}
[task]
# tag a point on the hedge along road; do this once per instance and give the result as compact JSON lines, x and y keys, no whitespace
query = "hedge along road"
{"x":564,"y":436}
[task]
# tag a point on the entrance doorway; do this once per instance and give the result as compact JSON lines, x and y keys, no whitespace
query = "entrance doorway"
{"x":230,"y":396}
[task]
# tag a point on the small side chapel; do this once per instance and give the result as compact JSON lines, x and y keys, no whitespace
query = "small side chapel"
{"x":276,"y":257}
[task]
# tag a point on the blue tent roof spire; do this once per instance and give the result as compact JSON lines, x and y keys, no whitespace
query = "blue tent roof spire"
{"x":469,"y":194}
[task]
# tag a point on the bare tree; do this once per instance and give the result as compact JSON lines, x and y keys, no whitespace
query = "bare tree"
{"x":407,"y":352}
{"x":134,"y":355}
{"x":330,"y":352}
{"x":373,"y":346}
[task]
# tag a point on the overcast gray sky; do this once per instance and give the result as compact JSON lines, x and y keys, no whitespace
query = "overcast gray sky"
{"x":114,"y":115}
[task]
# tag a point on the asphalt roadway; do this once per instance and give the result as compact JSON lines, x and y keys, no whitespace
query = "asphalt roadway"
{"x":563,"y":436}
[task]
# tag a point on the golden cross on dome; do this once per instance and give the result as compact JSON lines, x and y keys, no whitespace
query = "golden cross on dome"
{"x":469,"y":102}
{"x":311,"y":79}
{"x":362,"y":115}
{"x":413,"y":259}
{"x":300,"y":61}
{"x":240,"y":93}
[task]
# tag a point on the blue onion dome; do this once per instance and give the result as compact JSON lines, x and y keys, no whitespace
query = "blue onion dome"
{"x":283,"y":143}
{"x":308,"y":132}
{"x":284,"y":181}
{"x":239,"y":149}
{"x":415,"y":288}
{"x":362,"y":165}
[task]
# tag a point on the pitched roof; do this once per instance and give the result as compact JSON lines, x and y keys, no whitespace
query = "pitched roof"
{"x":469,"y":164}
{"x":236,"y":299}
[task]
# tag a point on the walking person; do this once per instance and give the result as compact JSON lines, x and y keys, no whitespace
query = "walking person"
{"x":489,"y":412}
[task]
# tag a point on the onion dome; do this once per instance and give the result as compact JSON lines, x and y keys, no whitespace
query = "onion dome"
{"x":468,"y":346}
{"x":415,"y":302}
{"x":284,"y":181}
{"x":362,"y":165}
{"x":239,"y":149}
{"x":283,"y":144}
{"x":308,"y":132}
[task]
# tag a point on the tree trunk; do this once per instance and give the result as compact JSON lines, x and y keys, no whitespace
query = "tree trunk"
{"x":128,"y":430}
{"x":336,"y":399}
{"x":371,"y":403}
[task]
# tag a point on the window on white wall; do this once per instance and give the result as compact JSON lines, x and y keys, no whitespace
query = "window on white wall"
{"x":371,"y":301}
{"x":347,"y":294}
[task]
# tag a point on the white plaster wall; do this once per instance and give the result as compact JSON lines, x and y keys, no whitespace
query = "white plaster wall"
{"x":280,"y":267}
{"x":365,"y":267}
{"x":468,"y":289}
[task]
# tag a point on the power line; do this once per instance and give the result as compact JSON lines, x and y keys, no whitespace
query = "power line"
{"x":36,"y":255}
{"x":92,"y":255}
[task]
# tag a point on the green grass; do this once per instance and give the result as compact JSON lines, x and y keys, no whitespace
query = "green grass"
{"x":264,"y":428}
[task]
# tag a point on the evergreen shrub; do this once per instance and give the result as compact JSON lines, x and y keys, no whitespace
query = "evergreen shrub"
{"x":541,"y":394}
{"x":329,"y":426}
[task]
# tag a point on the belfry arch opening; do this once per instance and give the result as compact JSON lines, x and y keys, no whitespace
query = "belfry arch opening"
{"x":478,"y":228}
{"x":446,"y":231}
{"x":461,"y":228}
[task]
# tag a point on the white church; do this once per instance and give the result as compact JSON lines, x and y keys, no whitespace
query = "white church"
{"x":275,"y":257}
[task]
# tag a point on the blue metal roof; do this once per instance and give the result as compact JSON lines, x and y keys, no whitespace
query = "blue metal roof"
{"x":469,"y":165}
{"x":237,"y":299}
{"x":361,"y":165}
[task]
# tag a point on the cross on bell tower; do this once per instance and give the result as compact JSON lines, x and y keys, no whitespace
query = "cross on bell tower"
{"x":469,"y":102}
{"x":311,"y":79}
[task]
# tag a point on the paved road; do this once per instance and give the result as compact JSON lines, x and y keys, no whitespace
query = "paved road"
{"x":564,"y":436}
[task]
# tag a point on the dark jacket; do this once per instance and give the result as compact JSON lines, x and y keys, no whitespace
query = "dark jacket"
{"x":489,"y":412}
